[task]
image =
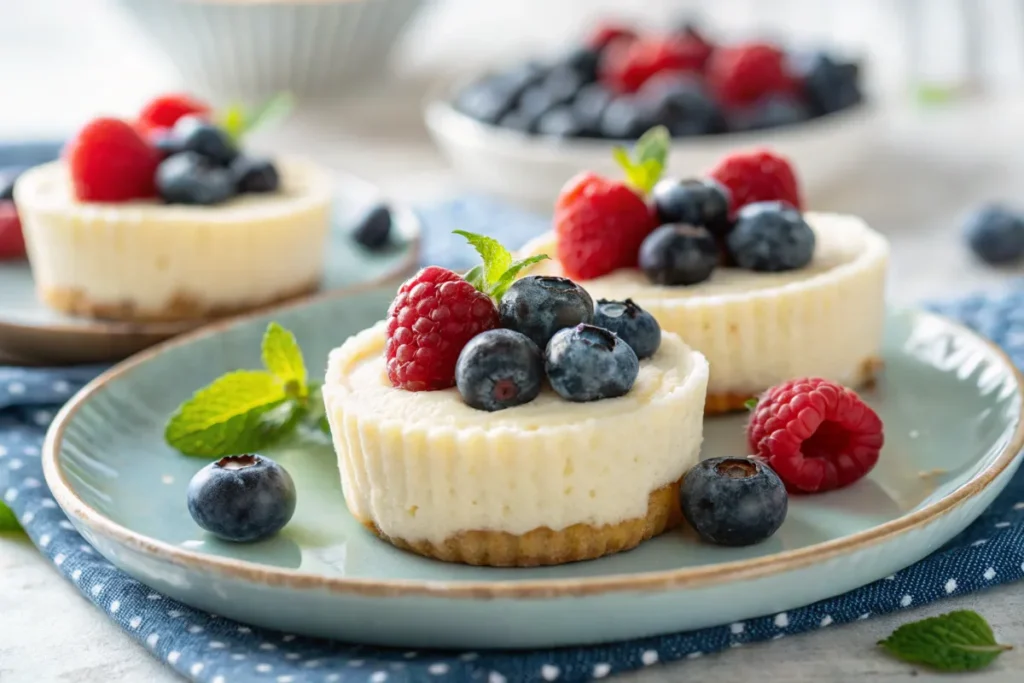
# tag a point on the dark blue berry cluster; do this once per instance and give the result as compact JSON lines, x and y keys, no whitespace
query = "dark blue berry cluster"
{"x":203,"y":166}
{"x":551,"y":330}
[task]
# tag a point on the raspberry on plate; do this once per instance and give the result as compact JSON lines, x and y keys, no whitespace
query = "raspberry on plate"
{"x":758,"y":175}
{"x":628,"y":65}
{"x":110,"y":162}
{"x":743,"y":74}
{"x":164,"y":111}
{"x":817,"y":435}
{"x":12,"y":241}
{"x":437,"y":312}
{"x":601,"y":223}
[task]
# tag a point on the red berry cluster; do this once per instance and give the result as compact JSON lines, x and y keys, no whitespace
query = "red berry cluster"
{"x":738,"y":75}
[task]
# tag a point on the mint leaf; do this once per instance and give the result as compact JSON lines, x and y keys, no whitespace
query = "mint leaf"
{"x":509,"y":276}
{"x":275,"y":109}
{"x":227,"y":417}
{"x":324,"y":425}
{"x":957,"y":641}
{"x":8,"y":522}
{"x":283,"y":357}
{"x":232,"y":121}
{"x":750,"y":403}
{"x":644,"y":166}
{"x":475,"y":277}
{"x":497,"y":258}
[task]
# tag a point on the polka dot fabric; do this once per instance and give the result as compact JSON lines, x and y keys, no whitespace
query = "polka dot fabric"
{"x":208,"y":648}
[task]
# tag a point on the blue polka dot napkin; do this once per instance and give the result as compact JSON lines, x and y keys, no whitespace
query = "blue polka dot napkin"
{"x":208,"y":648}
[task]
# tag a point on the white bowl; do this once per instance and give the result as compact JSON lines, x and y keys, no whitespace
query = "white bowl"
{"x":529,"y":170}
{"x":252,"y":49}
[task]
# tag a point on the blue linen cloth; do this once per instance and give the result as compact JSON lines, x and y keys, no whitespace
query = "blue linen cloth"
{"x":212,"y":649}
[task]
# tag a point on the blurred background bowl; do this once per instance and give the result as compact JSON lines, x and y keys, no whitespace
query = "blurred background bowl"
{"x":251,"y":49}
{"x":530,"y":170}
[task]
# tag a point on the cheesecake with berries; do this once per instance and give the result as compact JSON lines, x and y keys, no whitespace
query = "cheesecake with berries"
{"x":490,"y":420}
{"x":167,"y":219}
{"x":731,"y":264}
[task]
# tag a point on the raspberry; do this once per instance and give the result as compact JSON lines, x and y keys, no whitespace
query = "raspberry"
{"x":816,"y":434}
{"x":110,"y":162}
{"x":599,"y":225}
{"x":164,"y":111}
{"x":628,"y":65}
{"x":605,"y":34}
{"x":432,"y":318}
{"x":12,"y":241}
{"x":743,"y":74}
{"x":757,"y":176}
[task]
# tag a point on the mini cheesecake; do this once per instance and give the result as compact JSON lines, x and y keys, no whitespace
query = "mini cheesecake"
{"x":146,"y":260}
{"x":546,"y":482}
{"x":758,"y":329}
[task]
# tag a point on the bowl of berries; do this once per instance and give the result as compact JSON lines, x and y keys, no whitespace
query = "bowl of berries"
{"x":521,"y":131}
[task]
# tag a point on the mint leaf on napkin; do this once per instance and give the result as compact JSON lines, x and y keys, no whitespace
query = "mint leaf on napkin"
{"x":8,"y":522}
{"x":957,"y":641}
{"x":248,"y":410}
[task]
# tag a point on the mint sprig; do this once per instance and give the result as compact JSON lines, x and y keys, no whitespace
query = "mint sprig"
{"x":956,"y":641}
{"x":248,"y":410}
{"x":238,"y":120}
{"x":499,"y":270}
{"x":8,"y":522}
{"x":645,"y":163}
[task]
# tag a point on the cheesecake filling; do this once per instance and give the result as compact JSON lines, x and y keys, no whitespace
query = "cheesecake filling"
{"x":425,"y":466}
{"x":759,"y":329}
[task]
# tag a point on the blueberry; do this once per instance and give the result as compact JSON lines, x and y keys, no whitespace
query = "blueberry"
{"x":166,"y":143}
{"x":996,"y":234}
{"x":678,"y":254}
{"x":202,"y":137}
{"x":562,"y":85}
{"x":632,"y":324}
{"x":486,"y":101}
{"x":829,"y":85}
{"x":560,"y":122}
{"x":190,"y":178}
{"x":242,"y":498}
{"x":588,"y":363}
{"x":773,"y":111}
{"x":771,"y":237}
{"x":499,"y":369}
{"x":522,"y":121}
{"x":682,"y":104}
{"x":626,"y":118}
{"x":703,"y":202}
{"x":733,"y":501}
{"x":589,"y":106}
{"x":584,"y":62}
{"x":541,"y":305}
{"x":536,"y":102}
{"x":255,"y":174}
{"x":8,"y":176}
{"x":373,"y":229}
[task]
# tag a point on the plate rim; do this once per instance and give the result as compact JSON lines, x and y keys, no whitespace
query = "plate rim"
{"x":671,"y":579}
{"x":123,"y":328}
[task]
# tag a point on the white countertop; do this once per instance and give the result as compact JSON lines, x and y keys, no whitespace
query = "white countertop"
{"x":928,"y":169}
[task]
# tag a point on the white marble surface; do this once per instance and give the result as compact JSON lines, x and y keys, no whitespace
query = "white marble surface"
{"x":60,"y":63}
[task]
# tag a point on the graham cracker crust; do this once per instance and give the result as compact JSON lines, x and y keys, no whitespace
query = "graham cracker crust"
{"x":731,"y":402}
{"x":543,"y":546}
{"x":183,"y":306}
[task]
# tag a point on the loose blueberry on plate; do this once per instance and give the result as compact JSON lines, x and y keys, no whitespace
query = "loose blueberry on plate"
{"x":242,"y":498}
{"x":733,"y":501}
{"x":541,"y":305}
{"x":190,"y":178}
{"x":202,"y":137}
{"x":499,"y":369}
{"x":373,"y":229}
{"x":678,"y":254}
{"x":8,"y":176}
{"x":703,"y":202}
{"x":996,"y":234}
{"x":255,"y":174}
{"x":632,"y":324}
{"x":588,"y":363}
{"x":771,"y":237}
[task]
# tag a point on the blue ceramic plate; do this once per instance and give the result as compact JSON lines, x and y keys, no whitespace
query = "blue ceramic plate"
{"x":951,"y":403}
{"x":32,"y":333}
